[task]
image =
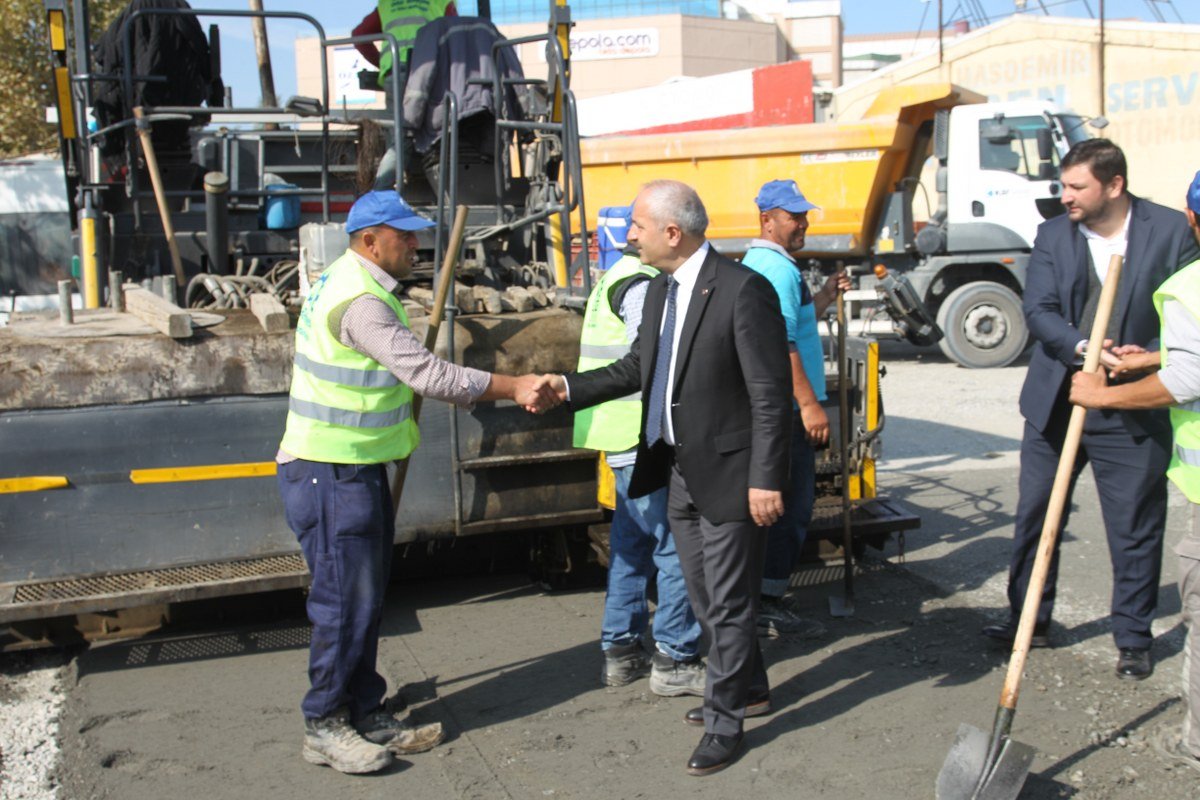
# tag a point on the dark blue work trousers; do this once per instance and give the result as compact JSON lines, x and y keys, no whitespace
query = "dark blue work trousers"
{"x":785,"y":538}
{"x":342,"y":516}
{"x":1130,"y":479}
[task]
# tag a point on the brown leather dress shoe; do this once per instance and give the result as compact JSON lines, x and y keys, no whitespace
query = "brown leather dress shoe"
{"x":756,"y":708}
{"x":714,"y":753}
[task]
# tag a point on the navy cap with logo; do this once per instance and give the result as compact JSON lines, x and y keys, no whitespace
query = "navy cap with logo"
{"x":384,"y":207}
{"x":1193,"y":195}
{"x":782,"y":194}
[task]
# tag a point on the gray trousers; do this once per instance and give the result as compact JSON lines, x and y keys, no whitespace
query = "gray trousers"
{"x":722,"y":567}
{"x":1189,"y":592}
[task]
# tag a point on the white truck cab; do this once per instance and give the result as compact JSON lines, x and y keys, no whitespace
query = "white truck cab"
{"x":996,"y":178}
{"x":1004,"y":171}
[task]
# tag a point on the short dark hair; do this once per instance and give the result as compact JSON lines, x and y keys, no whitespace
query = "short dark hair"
{"x":1102,"y":157}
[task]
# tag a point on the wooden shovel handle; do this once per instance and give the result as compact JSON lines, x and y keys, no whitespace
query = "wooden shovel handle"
{"x":160,"y":197}
{"x":1058,"y":496}
{"x":445,"y":278}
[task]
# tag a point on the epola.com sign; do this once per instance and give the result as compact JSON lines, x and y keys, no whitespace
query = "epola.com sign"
{"x":604,"y":45}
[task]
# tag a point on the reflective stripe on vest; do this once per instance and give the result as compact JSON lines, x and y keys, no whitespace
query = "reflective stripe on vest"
{"x":612,"y":426}
{"x":1188,"y":456}
{"x":1184,"y":471}
{"x":611,"y":352}
{"x":350,"y":419}
{"x":345,"y":407}
{"x":346,"y":376}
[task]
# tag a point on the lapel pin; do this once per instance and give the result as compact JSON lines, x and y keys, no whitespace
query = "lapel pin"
{"x":704,"y":291}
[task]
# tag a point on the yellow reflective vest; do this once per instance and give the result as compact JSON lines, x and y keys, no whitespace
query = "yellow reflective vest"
{"x":345,"y":407}
{"x":611,"y":426}
{"x":402,"y":19}
{"x":1183,"y":287}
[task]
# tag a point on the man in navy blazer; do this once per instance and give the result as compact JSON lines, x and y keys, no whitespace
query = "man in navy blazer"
{"x":711,"y":363}
{"x":1128,"y":450}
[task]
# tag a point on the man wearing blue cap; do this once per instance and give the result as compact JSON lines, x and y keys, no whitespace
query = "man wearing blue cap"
{"x":1174,"y":383}
{"x":783,"y":220}
{"x":356,"y":368}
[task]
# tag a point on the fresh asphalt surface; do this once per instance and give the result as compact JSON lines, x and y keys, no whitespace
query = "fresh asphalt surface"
{"x":868,"y":711}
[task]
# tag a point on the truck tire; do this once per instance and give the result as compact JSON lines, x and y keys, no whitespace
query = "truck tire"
{"x":983,"y":325}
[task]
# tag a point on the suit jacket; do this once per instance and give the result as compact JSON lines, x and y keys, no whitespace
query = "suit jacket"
{"x":731,"y":404}
{"x":1159,"y":243}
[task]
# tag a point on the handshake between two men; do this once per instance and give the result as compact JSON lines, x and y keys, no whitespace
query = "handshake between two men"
{"x":537,"y":394}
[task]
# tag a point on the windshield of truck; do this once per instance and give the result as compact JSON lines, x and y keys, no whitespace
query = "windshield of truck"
{"x":1010,"y":145}
{"x":1074,"y":127}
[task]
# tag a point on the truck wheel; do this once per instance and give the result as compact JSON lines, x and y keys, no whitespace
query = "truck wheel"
{"x":984,"y":325}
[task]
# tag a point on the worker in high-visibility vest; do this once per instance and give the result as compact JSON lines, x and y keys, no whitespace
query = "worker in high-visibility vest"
{"x":402,"y":19}
{"x":640,"y":541}
{"x":1175,"y":383}
{"x":356,"y":368}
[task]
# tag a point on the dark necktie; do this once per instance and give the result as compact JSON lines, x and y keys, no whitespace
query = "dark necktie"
{"x":662,"y":369}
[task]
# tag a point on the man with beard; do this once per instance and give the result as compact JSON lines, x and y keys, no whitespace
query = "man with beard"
{"x":1174,"y":381}
{"x":1129,"y":450}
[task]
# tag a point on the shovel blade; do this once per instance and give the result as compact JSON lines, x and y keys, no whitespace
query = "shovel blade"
{"x":966,"y":762}
{"x":841,"y":606}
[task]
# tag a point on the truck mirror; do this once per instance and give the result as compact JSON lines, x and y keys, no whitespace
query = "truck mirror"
{"x":1099,"y":123}
{"x":996,"y":131}
{"x":1045,"y":144}
{"x":1047,"y":171}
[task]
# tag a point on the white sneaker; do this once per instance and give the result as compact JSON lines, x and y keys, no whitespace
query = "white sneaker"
{"x":332,"y":742}
{"x":1169,"y":742}
{"x":671,"y":678}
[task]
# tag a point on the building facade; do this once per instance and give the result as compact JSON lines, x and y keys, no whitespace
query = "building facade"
{"x":1146,"y":84}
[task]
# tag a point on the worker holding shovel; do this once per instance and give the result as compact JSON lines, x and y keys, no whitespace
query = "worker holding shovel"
{"x":1128,"y":450}
{"x":1175,"y":382}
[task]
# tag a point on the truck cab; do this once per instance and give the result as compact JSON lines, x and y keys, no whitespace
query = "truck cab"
{"x":994,"y":169}
{"x":1004,"y":179}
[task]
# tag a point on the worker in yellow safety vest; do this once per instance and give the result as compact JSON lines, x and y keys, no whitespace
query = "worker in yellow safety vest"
{"x":356,"y":368}
{"x":1175,"y":383}
{"x":640,"y":542}
{"x":402,"y":19}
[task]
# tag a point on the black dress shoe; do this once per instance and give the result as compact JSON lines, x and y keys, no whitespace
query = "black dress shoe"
{"x":756,"y":708}
{"x":1007,"y":632}
{"x":714,"y":753}
{"x":1134,"y":664}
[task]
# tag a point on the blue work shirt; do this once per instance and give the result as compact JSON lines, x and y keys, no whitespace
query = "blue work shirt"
{"x":795,"y":300}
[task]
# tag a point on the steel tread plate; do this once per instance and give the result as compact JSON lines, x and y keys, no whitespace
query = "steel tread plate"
{"x":105,"y":592}
{"x":877,"y":515}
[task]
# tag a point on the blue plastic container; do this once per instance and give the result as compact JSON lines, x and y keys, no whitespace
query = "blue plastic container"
{"x":611,"y":230}
{"x":281,"y":213}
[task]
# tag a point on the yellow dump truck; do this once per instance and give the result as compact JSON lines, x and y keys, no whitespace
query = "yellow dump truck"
{"x":981,"y":176}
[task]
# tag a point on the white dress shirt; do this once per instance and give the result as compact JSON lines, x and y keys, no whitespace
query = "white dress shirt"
{"x":1104,"y":248}
{"x":685,"y":276}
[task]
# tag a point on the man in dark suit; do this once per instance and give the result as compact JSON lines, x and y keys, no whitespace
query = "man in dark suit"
{"x":1128,"y":450}
{"x":712,"y":365}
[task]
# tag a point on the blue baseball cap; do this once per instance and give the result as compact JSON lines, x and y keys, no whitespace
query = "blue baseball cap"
{"x":1193,"y":194}
{"x":782,"y":194}
{"x":384,"y":207}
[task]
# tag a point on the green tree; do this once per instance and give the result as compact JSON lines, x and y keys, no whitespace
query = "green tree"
{"x":26,"y":78}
